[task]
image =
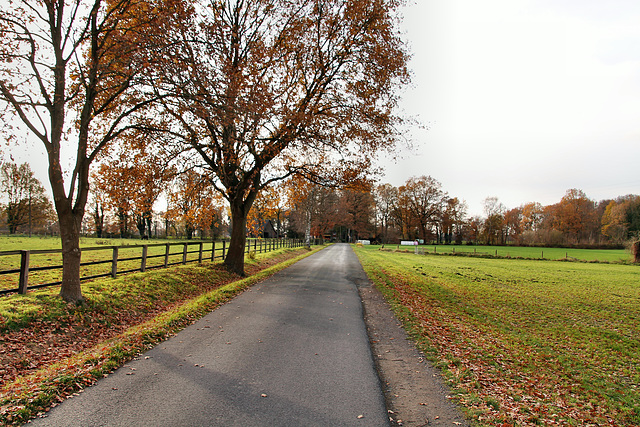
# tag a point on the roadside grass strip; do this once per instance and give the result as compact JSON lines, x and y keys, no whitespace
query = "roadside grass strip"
{"x":522,"y":342}
{"x":156,"y":304}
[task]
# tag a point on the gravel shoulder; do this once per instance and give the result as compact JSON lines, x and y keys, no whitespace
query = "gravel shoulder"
{"x":415,"y":391}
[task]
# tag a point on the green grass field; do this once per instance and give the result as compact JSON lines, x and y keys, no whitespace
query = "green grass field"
{"x":600,"y":255}
{"x":523,"y":342}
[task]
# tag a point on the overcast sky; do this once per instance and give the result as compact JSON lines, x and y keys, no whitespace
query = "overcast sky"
{"x":524,"y":99}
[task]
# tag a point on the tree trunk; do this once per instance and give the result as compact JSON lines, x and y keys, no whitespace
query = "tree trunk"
{"x":235,"y":255}
{"x":307,"y":231}
{"x":635,"y":250}
{"x":70,"y":290}
{"x":141,"y":224}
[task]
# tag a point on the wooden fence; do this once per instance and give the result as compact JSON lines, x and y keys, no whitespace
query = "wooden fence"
{"x":189,"y":252}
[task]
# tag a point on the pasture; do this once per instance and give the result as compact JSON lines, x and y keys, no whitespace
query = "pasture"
{"x":589,"y":255}
{"x":523,"y":342}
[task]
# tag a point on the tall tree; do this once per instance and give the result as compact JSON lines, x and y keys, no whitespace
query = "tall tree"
{"x":403,"y":216}
{"x":356,"y":212}
{"x":386,"y":198}
{"x":494,"y":221}
{"x":513,"y":224}
{"x":452,"y":219}
{"x":27,"y":202}
{"x":66,"y":73}
{"x":531,"y":216}
{"x":270,"y":88}
{"x":621,"y":219}
{"x":130,"y":181}
{"x":426,"y":200}
{"x":575,"y":216}
{"x":98,"y":218}
{"x":194,"y":205}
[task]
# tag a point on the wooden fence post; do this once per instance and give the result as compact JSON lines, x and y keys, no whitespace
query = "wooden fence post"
{"x":200,"y":254}
{"x":114,"y":262}
{"x":184,"y":253}
{"x":224,"y":249}
{"x":255,"y":246}
{"x":24,"y":272}
{"x":166,"y":255}
{"x":213,"y":250}
{"x":143,"y":263}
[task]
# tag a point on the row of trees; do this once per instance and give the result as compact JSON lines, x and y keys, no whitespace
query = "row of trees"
{"x":125,"y":192}
{"x":574,"y":220}
{"x":421,"y":209}
{"x":246,"y":93}
{"x":26,"y":207}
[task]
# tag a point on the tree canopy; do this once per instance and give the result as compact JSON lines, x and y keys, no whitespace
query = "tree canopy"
{"x":67,"y":73}
{"x":266,"y":89}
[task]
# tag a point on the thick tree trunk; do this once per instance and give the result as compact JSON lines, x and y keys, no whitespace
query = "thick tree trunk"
{"x":235,"y":255}
{"x":70,"y":290}
{"x":635,"y":250}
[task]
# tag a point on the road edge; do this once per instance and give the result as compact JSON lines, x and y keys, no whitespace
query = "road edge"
{"x":415,"y":392}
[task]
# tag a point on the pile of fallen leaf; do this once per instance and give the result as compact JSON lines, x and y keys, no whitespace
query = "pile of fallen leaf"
{"x":39,"y":362}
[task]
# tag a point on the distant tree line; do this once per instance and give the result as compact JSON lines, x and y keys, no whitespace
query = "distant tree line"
{"x":24,"y":206}
{"x":421,"y":210}
{"x":125,"y":190}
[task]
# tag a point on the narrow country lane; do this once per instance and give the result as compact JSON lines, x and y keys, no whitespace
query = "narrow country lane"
{"x":291,"y":351}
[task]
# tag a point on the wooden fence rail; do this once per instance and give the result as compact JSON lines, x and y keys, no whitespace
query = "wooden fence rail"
{"x":189,"y":252}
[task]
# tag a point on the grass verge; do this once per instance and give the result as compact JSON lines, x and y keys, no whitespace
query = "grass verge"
{"x":121,"y":319}
{"x":523,"y":342}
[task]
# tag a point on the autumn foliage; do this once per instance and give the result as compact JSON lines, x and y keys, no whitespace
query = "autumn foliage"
{"x":261,"y":91}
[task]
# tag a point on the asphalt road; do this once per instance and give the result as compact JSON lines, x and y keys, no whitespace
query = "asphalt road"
{"x":291,"y":351}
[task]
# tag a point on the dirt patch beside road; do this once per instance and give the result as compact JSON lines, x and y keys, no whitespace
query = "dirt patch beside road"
{"x":415,"y":391}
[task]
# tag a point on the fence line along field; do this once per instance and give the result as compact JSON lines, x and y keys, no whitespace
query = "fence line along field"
{"x":523,"y":342}
{"x":98,"y":255}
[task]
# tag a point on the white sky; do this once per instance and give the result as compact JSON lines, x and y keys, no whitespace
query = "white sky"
{"x":524,"y":99}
